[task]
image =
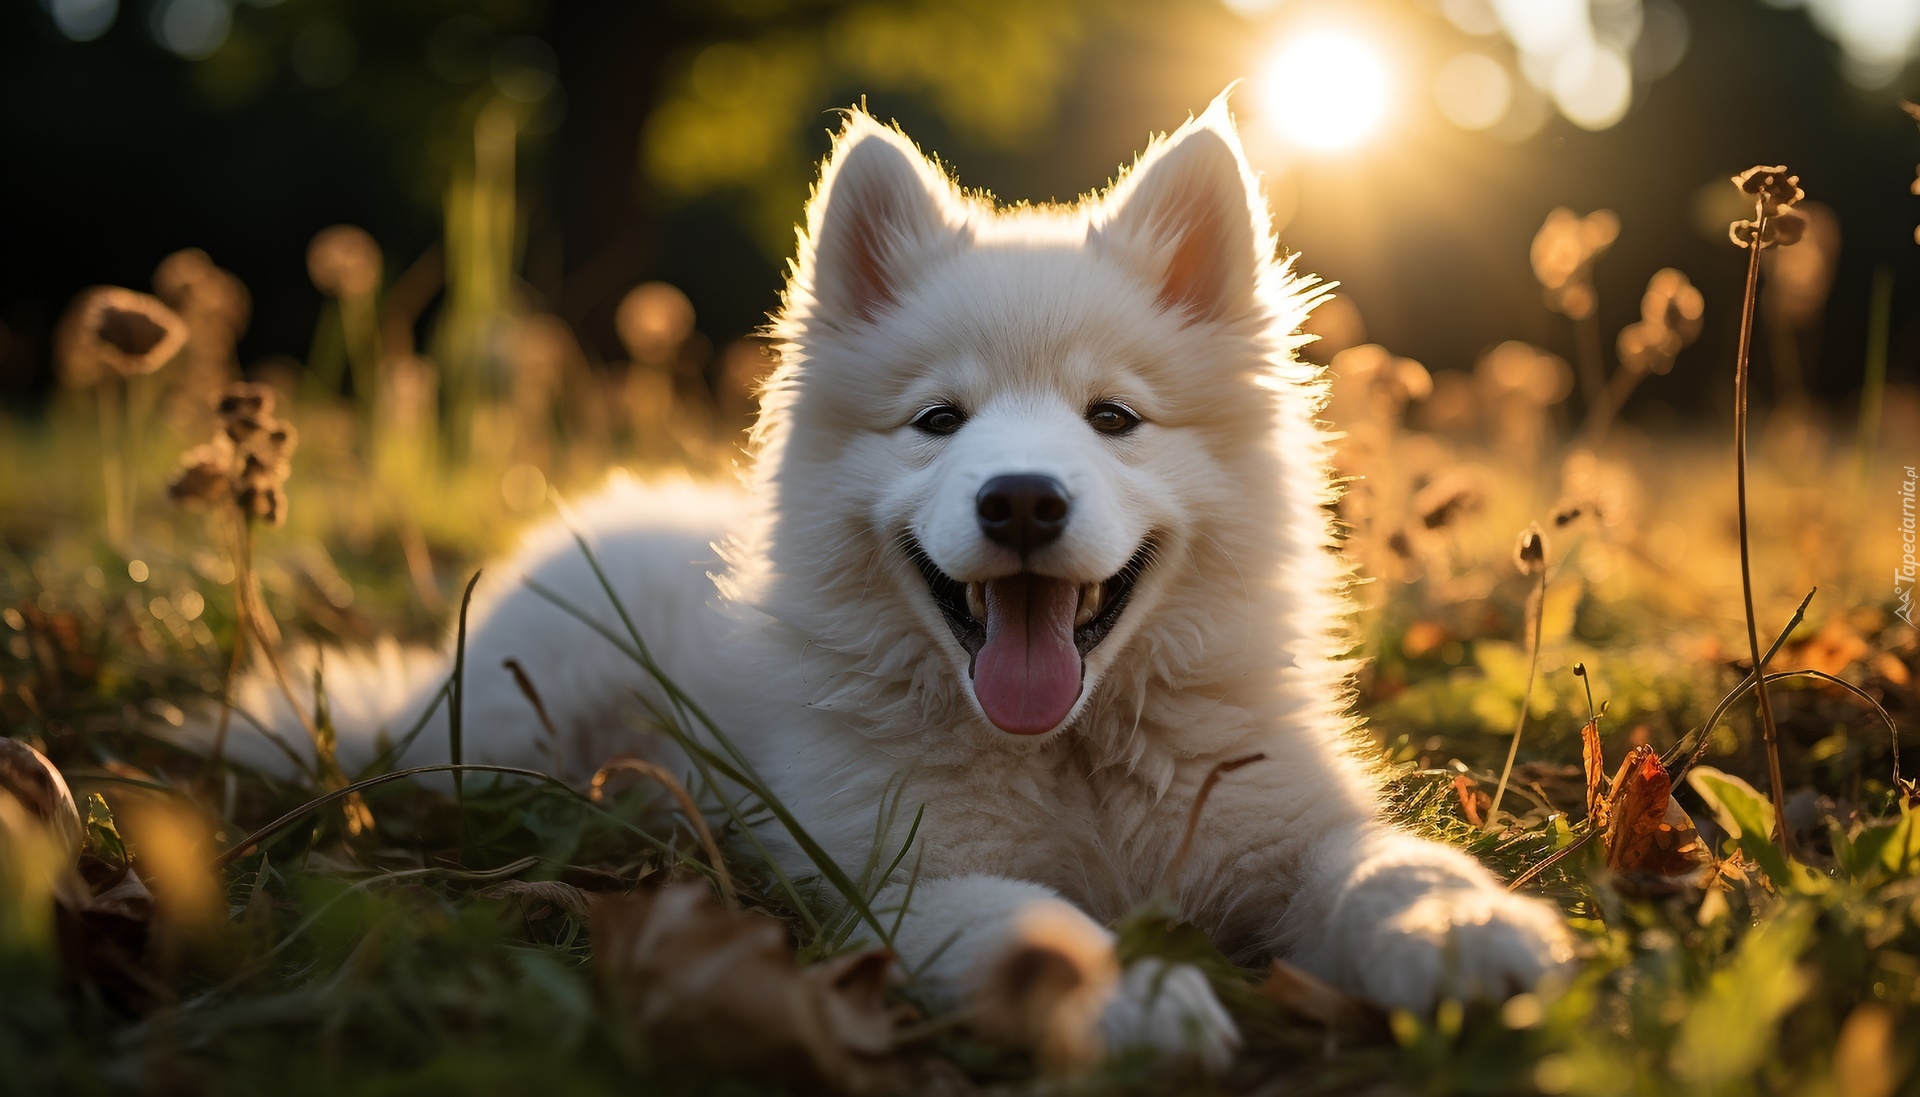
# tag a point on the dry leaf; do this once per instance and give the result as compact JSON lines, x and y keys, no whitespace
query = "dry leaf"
{"x":1593,"y":760}
{"x":32,"y":780}
{"x":1310,"y":998}
{"x":1648,"y":834}
{"x":1650,"y":840}
{"x":723,"y":986}
{"x":1473,"y":802}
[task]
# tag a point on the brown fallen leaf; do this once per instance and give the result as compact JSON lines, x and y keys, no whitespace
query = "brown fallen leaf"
{"x":31,"y":779}
{"x":1473,"y":802}
{"x":1650,"y":837}
{"x":716,"y":985}
{"x":1593,"y":761}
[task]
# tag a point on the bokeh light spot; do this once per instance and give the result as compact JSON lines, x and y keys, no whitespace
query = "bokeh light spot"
{"x":1325,"y":90}
{"x":1593,"y":87}
{"x":1473,"y":91}
{"x":1663,"y":40}
{"x":1474,"y":17}
{"x":84,"y":20}
{"x":192,"y":29}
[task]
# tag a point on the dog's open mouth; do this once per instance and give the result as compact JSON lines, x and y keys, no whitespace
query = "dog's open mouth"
{"x":1028,"y":635}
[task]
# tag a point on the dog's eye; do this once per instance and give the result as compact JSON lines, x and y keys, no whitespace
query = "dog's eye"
{"x":940,"y":419}
{"x":1109,"y":417}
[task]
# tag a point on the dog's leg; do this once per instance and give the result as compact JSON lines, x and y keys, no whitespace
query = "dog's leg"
{"x":1405,"y":922}
{"x":1031,"y":969}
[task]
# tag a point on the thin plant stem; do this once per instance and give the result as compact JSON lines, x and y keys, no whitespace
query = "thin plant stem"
{"x":1672,"y":755}
{"x":1741,"y":371}
{"x":1592,"y":358}
{"x":1535,"y":602}
{"x":256,"y":617}
{"x":242,"y":540}
{"x":629,"y":764}
{"x":1170,"y":875}
{"x":457,"y":703}
{"x":112,"y":459}
{"x":141,"y":391}
{"x":1606,"y":407}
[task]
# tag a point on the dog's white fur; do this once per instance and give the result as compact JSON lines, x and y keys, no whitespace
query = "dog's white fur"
{"x":822,"y":653}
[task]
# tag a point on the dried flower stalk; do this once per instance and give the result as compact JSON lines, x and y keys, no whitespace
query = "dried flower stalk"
{"x":1530,"y":556}
{"x":109,"y":340}
{"x":240,"y":476}
{"x":1774,"y":224}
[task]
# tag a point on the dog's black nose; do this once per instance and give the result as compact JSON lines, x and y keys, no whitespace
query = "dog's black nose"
{"x":1023,"y":512}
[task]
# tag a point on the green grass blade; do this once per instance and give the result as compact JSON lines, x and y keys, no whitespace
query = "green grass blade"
{"x":457,"y":710}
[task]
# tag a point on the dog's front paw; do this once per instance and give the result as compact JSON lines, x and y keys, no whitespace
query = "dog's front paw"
{"x":1475,"y":943}
{"x":1058,"y":990}
{"x":1171,"y":1009}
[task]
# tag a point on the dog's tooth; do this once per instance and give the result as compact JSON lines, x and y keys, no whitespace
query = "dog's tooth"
{"x":977,"y":601}
{"x":1092,"y":597}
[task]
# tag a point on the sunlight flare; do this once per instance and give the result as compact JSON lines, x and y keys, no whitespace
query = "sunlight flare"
{"x":1325,"y":90}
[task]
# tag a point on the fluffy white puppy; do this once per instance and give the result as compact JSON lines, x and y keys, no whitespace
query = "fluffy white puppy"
{"x":1036,"y":525}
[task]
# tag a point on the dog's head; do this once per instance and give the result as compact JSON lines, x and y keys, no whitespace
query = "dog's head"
{"x":1008,"y":435}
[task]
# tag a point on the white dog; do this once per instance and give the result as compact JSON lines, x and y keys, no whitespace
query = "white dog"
{"x":1036,"y":526}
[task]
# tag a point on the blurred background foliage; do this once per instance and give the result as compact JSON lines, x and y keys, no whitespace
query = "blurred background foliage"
{"x":675,"y":141}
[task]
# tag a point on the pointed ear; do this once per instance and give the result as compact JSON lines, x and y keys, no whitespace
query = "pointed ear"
{"x":880,"y":211}
{"x":1189,"y":216}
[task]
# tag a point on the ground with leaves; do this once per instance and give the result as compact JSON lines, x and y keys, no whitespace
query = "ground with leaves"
{"x":532,"y":937}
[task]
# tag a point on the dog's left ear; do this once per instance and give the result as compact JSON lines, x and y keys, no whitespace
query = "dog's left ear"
{"x":1190,"y":217}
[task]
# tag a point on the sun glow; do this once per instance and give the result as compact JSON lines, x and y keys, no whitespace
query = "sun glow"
{"x":1325,"y":90}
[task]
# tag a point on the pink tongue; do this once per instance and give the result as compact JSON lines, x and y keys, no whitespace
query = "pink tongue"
{"x":1027,"y":674}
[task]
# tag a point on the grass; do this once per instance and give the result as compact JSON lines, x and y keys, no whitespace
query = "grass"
{"x":443,"y":942}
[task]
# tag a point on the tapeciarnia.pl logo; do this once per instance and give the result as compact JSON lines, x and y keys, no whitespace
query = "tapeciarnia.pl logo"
{"x":1904,"y":575}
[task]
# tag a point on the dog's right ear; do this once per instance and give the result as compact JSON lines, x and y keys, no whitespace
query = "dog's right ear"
{"x":881,"y":210}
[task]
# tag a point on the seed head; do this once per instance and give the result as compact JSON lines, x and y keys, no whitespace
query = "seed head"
{"x":1774,"y":192}
{"x":190,"y":283}
{"x":344,"y":261}
{"x":1448,"y":498}
{"x":654,"y":320}
{"x":1530,"y":553}
{"x":245,"y":401}
{"x":1771,"y":186}
{"x":1674,"y":302}
{"x":1523,"y":372}
{"x":205,"y":476}
{"x":109,"y":330}
{"x":1563,"y":254}
{"x":1670,"y":320}
{"x":1646,"y":348}
{"x":247,"y":463}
